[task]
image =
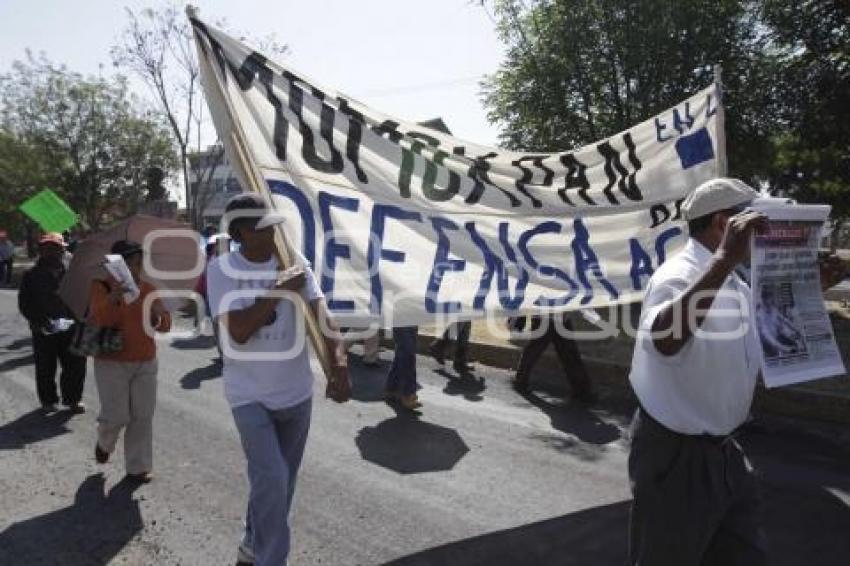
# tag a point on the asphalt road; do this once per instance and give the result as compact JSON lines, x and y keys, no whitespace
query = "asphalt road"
{"x":482,"y":477}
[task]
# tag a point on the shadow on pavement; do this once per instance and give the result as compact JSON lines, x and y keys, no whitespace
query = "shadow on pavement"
{"x":19,"y":344}
{"x":92,"y":531}
{"x":407,"y":445}
{"x":465,"y":384}
{"x":576,"y":419}
{"x":367,"y":382}
{"x":33,"y":427}
{"x":591,"y":537}
{"x":805,"y":522}
{"x":795,"y":455}
{"x":200,"y":342}
{"x":15,"y":363}
{"x":195,"y":378}
{"x":803,"y":526}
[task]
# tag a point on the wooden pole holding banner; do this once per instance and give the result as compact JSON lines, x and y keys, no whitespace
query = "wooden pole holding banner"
{"x":256,"y":183}
{"x":720,"y":129}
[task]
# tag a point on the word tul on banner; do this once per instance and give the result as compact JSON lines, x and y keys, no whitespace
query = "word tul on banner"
{"x":404,"y":223}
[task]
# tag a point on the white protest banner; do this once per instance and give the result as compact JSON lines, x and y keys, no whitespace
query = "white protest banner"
{"x":797,"y":341}
{"x":404,"y":224}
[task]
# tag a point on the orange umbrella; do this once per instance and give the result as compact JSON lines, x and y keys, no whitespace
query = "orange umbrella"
{"x":172,"y":255}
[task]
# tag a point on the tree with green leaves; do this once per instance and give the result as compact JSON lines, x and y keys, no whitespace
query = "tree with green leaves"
{"x":577,"y":71}
{"x":93,"y":140}
{"x":23,"y":171}
{"x":811,"y":40}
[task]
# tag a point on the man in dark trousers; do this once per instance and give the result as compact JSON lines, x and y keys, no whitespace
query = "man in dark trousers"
{"x":459,"y":331}
{"x":694,"y":370}
{"x":49,"y":319}
{"x":565,"y":347}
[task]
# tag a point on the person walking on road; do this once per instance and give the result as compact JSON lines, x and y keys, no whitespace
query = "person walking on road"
{"x":7,"y":259}
{"x":694,"y":369}
{"x":126,"y":380}
{"x":268,"y":381}
{"x":371,"y":349}
{"x":51,"y":323}
{"x":568,"y":354}
{"x":459,"y":332}
{"x":401,"y":381}
{"x":214,"y":247}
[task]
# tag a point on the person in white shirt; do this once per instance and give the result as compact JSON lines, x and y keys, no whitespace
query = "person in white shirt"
{"x":695,"y":366}
{"x":694,"y":371}
{"x":267,"y":376}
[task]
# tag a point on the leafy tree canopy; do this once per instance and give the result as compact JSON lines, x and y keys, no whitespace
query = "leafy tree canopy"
{"x":577,"y":71}
{"x":91,"y":140}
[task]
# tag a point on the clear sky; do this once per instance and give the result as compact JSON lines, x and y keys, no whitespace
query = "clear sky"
{"x":413,"y":59}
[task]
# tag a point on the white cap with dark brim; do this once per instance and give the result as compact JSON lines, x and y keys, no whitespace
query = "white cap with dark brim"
{"x":270,"y":219}
{"x":715,"y":195}
{"x":253,"y":205}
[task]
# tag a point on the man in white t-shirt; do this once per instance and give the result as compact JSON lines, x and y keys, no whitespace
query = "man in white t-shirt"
{"x":268,"y":380}
{"x":694,"y":370}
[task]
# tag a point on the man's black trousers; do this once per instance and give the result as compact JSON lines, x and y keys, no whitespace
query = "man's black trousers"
{"x":50,"y":351}
{"x":695,"y":500}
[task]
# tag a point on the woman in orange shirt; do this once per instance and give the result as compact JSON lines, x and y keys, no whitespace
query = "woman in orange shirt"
{"x":126,"y":380}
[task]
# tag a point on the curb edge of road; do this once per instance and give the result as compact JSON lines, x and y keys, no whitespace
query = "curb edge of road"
{"x":786,"y":401}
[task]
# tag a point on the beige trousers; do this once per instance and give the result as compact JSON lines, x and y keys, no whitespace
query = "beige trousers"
{"x":127,"y":392}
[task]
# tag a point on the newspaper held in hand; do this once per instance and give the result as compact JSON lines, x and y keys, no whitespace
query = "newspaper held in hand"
{"x":797,"y":342}
{"x":117,"y":268}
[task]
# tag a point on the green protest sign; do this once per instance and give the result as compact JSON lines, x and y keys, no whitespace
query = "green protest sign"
{"x":50,"y":212}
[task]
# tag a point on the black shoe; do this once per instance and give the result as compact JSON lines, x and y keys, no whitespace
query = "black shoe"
{"x":589,"y":397}
{"x":101,"y":456}
{"x":437,"y":353}
{"x":521,"y":386}
{"x":77,"y":408}
{"x":144,"y":477}
{"x":463,"y":367}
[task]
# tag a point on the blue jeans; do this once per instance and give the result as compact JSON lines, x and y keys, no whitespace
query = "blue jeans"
{"x":402,"y":376}
{"x":273,"y":442}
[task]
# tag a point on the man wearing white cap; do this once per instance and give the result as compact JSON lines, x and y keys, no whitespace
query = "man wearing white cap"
{"x":268,"y":380}
{"x":694,"y":370}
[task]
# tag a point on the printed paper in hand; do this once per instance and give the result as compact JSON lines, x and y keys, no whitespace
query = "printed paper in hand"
{"x":57,"y":325}
{"x":796,"y":335}
{"x":117,"y":268}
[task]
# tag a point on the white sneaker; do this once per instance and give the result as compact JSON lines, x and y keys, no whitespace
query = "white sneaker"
{"x":244,"y":555}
